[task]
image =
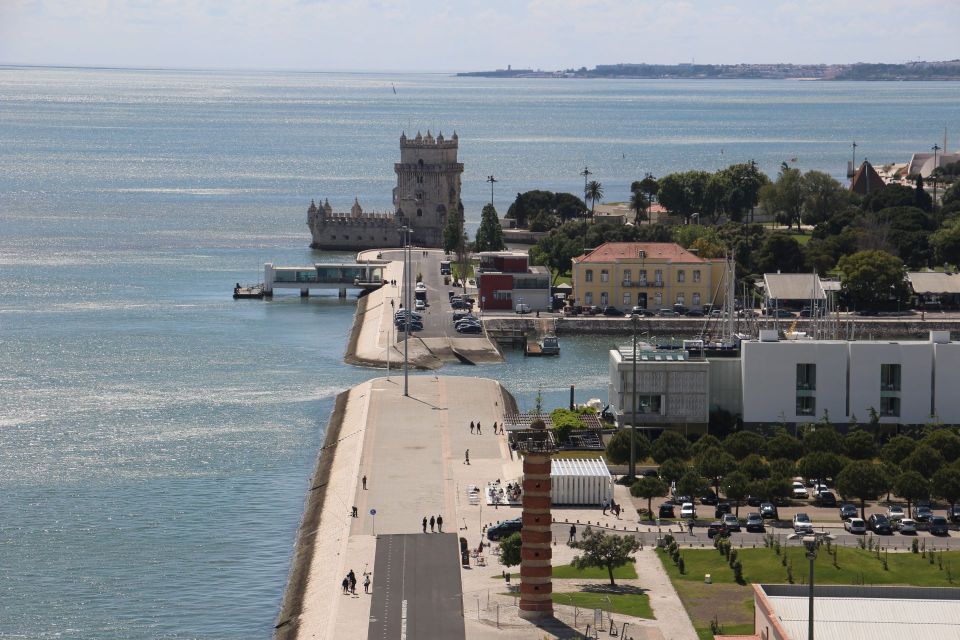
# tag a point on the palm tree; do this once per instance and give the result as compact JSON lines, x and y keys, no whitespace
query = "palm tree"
{"x":593,"y":192}
{"x":639,"y":204}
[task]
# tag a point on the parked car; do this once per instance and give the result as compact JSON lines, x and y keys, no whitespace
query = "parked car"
{"x":906,"y":525}
{"x":768,"y":511}
{"x":826,"y":499}
{"x":780,"y":313}
{"x":667,"y":313}
{"x":754,"y":501}
{"x":938,"y":526}
{"x":680,"y":499}
{"x":721,"y":509}
{"x":879,"y":524}
{"x":755,"y":522}
{"x":523,"y":308}
{"x":666,"y":511}
{"x":503,"y":529}
{"x":642,"y":312}
{"x":799,"y":491}
{"x":694,"y":313}
{"x":709,"y":498}
{"x":895,"y":512}
{"x":715,"y":529}
{"x":461,"y":304}
{"x":460,"y":315}
{"x":922,"y":514}
{"x":470,"y":328}
{"x":848,"y":511}
{"x":687,"y":511}
{"x":420,"y":287}
{"x":802,"y":523}
{"x":680,"y":310}
{"x":420,"y":305}
{"x":613,"y":312}
{"x":955,"y":513}
{"x":855,"y":525}
{"x":731,"y":522}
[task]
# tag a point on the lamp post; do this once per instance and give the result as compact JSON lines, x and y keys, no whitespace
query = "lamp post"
{"x":811,"y":543}
{"x":491,"y":180}
{"x":393,"y":314}
{"x":933,"y":174}
{"x":634,"y":320}
{"x":408,"y":316}
{"x":586,"y":173}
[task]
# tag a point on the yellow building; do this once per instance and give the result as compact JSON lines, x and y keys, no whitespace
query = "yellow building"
{"x":652,"y":275}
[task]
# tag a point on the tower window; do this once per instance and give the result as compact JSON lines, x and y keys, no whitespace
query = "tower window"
{"x":419,"y":213}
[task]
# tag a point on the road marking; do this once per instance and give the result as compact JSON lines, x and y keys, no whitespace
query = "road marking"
{"x":403,"y":620}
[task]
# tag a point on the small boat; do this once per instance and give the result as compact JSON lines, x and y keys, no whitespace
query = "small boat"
{"x":549,"y":346}
{"x":247,"y":292}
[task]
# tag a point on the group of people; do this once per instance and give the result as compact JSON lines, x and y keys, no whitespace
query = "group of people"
{"x":612,"y":506}
{"x":349,"y":583}
{"x":477,"y":429}
{"x":499,"y":494}
{"x":433,"y":522}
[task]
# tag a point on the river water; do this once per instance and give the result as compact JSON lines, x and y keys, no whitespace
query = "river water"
{"x":156,"y":437}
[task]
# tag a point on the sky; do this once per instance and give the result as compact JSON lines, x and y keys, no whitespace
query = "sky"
{"x":464,"y":35}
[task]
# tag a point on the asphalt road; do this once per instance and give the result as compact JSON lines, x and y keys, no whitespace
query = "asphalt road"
{"x":416,"y":588}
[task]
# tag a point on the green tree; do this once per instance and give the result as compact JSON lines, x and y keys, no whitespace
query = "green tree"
{"x":672,"y":470}
{"x":898,"y":195}
{"x":649,"y":187}
{"x":639,"y":204}
{"x":671,"y":444}
{"x":682,"y":193}
{"x":872,"y":278}
{"x":946,"y":442}
{"x":742,"y":443}
{"x":820,"y":465}
{"x":864,"y":480}
{"x":453,"y":232}
{"x":489,"y":234}
{"x":897,"y":449}
{"x":597,"y":549}
{"x":945,"y":243}
{"x":648,"y":488}
{"x":754,"y":467}
{"x":618,"y":449}
{"x":925,"y":460}
{"x":593,"y":193}
{"x":703,"y":443}
{"x":782,"y":468}
{"x":783,"y":445}
{"x":822,"y":197}
{"x":776,"y":488}
{"x":911,"y":486}
{"x":946,"y":484}
{"x":779,"y":252}
{"x":714,"y":464}
{"x":822,"y":437}
{"x":860,"y":445}
{"x":510,"y":550}
{"x":736,"y":487}
{"x":784,"y":198}
{"x":691,"y":484}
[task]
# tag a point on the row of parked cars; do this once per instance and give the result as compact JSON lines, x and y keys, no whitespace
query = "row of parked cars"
{"x":463,"y":319}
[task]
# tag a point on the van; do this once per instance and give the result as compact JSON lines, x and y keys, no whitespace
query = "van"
{"x":523,"y":308}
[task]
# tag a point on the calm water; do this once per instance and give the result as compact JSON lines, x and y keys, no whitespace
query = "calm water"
{"x":156,"y":437}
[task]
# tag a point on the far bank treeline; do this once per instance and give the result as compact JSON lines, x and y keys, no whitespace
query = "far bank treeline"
{"x":869,"y":241}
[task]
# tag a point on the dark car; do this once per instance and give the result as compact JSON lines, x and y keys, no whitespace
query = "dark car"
{"x":717,"y":529}
{"x":781,"y":313}
{"x":680,"y":310}
{"x":722,"y":509}
{"x":709,"y":498}
{"x":923,"y":513}
{"x":768,"y":511}
{"x":460,"y":304}
{"x":848,"y":511}
{"x":651,"y":473}
{"x":755,"y":523}
{"x":642,"y":312}
{"x":754,"y":501}
{"x":938,"y":526}
{"x":954,"y":513}
{"x":694,"y":313}
{"x":612,"y":311}
{"x":504,"y":529}
{"x":826,"y":499}
{"x":666,"y":510}
{"x":681,"y":499}
{"x":879,"y":524}
{"x":469,"y":328}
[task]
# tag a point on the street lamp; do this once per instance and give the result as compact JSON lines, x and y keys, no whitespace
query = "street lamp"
{"x":812,"y":543}
{"x":634,"y":320}
{"x":408,"y":316}
{"x":933,"y":174}
{"x":586,"y":173}
{"x":491,"y":180}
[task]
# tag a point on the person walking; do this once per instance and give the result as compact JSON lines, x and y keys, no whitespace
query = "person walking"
{"x":346,"y":585}
{"x":433,"y":522}
{"x":366,"y":583}
{"x":471,"y":427}
{"x":440,"y":524}
{"x":364,"y":483}
{"x":353,"y":581}
{"x":573,"y":533}
{"x":494,"y":428}
{"x":424,"y":524}
{"x":478,"y":428}
{"x":353,"y":514}
{"x":466,"y":457}
{"x":605,"y":505}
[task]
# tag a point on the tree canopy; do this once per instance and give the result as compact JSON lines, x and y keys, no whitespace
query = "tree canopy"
{"x":648,"y":488}
{"x":864,"y":480}
{"x":510,"y":550}
{"x":671,"y":444}
{"x":872,"y":279}
{"x":598,"y":549}
{"x":489,"y":234}
{"x":618,"y":449}
{"x":565,"y":206}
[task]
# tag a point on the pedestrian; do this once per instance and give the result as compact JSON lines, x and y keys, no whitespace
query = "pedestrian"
{"x":573,"y":533}
{"x":618,"y":512}
{"x":690,"y":526}
{"x":346,"y":585}
{"x":354,"y":513}
{"x":471,"y":427}
{"x":440,"y":524}
{"x":353,"y":582}
{"x":466,"y":457}
{"x":605,"y":505}
{"x":433,"y":522}
{"x":366,"y":583}
{"x":494,"y":428}
{"x":478,"y":427}
{"x":364,"y":483}
{"x":424,"y":524}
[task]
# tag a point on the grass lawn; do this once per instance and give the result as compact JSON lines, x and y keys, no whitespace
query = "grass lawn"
{"x":560,"y":279}
{"x":628,"y":604}
{"x":569,"y":572}
{"x":732,"y":604}
{"x":455,"y":270}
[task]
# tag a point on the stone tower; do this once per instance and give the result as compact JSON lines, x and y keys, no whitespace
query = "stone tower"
{"x":428,"y":185}
{"x":536,"y":555}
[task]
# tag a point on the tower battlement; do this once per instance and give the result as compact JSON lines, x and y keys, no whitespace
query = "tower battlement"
{"x":428,"y":141}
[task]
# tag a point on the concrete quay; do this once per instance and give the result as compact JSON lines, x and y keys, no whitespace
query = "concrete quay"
{"x":411,"y":451}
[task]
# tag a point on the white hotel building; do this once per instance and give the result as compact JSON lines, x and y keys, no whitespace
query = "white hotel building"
{"x":796,"y":381}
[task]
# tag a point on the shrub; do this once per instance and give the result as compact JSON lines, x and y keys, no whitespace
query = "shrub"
{"x":915,"y":546}
{"x":680,"y":566}
{"x":738,"y":572}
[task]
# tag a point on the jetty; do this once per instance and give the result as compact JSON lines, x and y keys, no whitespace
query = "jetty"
{"x":367,"y":275}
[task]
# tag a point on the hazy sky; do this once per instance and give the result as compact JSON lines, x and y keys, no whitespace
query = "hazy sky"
{"x":469,"y":35}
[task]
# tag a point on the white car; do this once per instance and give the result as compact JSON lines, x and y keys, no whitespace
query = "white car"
{"x":895,"y":512}
{"x":799,"y":491}
{"x":421,"y":287}
{"x":802,"y":523}
{"x":420,"y":305}
{"x":687,"y":511}
{"x":906,"y":525}
{"x":820,"y":488}
{"x":855,"y":525}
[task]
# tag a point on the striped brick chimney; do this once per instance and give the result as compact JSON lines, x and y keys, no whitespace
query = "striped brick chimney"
{"x":536,"y":555}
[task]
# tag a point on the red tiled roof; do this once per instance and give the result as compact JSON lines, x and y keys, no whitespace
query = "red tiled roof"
{"x":611,"y":251}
